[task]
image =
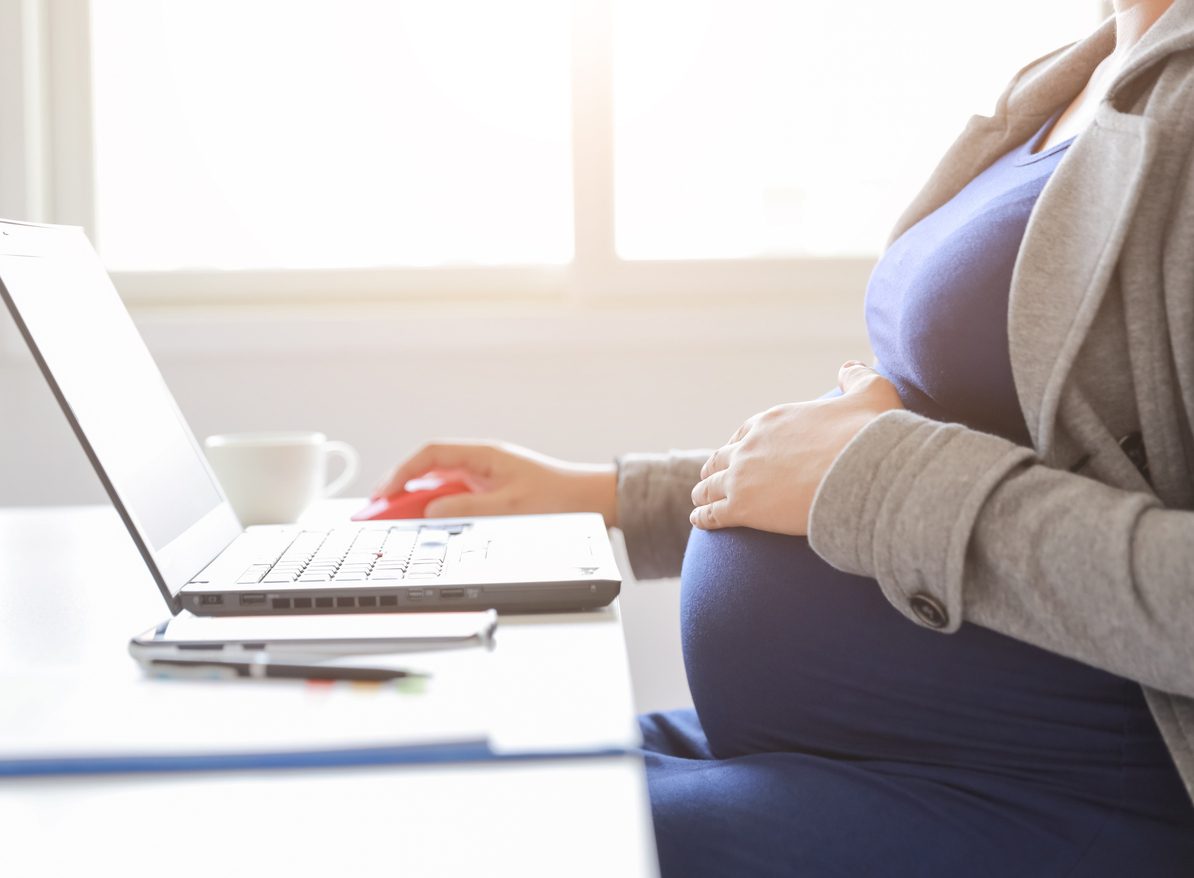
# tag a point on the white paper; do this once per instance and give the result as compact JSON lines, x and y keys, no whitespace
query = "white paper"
{"x":57,"y":716}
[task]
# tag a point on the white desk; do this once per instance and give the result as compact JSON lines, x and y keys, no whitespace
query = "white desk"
{"x":567,"y":673}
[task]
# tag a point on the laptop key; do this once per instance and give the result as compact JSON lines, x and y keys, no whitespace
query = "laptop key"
{"x":253,"y":574}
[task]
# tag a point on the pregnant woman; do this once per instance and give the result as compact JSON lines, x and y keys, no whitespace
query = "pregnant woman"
{"x":941,"y":621}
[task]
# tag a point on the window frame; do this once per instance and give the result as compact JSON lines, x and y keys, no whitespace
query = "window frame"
{"x":47,"y":175}
{"x":54,"y":151}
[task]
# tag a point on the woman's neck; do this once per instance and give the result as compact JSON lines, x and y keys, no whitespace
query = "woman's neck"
{"x":1133,"y":18}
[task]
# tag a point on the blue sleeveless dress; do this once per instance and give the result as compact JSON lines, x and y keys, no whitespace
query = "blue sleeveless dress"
{"x":832,"y":736}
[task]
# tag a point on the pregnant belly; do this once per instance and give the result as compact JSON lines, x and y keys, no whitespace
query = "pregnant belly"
{"x":783,"y":652}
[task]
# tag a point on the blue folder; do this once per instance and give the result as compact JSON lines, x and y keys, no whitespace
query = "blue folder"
{"x":426,"y":754}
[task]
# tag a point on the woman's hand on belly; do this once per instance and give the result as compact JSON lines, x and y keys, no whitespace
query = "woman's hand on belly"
{"x":765,"y":477}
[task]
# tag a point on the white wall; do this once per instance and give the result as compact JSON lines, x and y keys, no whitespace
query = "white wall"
{"x":583,"y":386}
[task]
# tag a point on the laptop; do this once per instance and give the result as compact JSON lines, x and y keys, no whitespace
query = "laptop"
{"x":155,"y":473}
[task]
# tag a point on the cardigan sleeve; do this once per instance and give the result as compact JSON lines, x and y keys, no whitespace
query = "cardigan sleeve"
{"x":654,"y":501}
{"x":958,"y":525}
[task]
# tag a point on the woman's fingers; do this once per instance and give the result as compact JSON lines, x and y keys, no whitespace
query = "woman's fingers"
{"x":709,"y":489}
{"x":718,"y":460}
{"x":859,"y":379}
{"x":463,"y":505}
{"x":474,"y":457}
{"x":707,"y":468}
{"x":741,"y":432}
{"x":852,"y":375}
{"x":712,"y":516}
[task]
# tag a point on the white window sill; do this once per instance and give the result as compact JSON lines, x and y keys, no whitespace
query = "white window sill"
{"x":492,"y":327}
{"x":720,"y":305}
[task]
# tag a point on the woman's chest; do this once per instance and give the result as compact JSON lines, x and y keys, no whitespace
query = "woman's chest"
{"x":937,"y":302}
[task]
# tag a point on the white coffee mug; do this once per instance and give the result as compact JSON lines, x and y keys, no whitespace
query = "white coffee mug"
{"x":271,"y":478}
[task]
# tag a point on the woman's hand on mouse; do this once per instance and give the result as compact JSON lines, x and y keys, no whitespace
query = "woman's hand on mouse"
{"x":766,"y":476}
{"x":509,"y":480}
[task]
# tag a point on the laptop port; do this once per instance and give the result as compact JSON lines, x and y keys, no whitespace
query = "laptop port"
{"x":209,"y":600}
{"x":451,"y":593}
{"x":280,"y":603}
{"x":323,"y":603}
{"x":302,"y":603}
{"x":253,"y":599}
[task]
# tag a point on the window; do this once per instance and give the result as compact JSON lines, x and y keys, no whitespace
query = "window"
{"x":771,"y":128}
{"x":378,"y":148}
{"x":280,"y":134}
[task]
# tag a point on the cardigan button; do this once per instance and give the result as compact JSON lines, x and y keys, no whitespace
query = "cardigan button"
{"x":929,"y":610}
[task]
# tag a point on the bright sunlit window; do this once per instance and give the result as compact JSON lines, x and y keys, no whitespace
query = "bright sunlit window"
{"x":748,"y":128}
{"x":312,"y":133}
{"x":325,"y":134}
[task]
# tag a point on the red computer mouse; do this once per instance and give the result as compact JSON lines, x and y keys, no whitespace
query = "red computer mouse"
{"x":412,"y":502}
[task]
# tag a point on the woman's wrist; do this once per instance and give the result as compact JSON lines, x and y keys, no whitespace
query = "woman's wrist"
{"x":599,"y":490}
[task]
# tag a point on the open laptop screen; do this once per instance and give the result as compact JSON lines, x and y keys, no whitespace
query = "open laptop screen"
{"x":108,"y":384}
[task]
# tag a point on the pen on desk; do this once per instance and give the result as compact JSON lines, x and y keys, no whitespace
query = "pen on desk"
{"x":281,"y":670}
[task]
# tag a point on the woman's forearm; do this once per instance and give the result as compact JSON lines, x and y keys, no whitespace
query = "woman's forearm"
{"x":654,"y":499}
{"x":975,"y":525}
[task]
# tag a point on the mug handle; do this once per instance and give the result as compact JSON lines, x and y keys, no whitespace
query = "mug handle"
{"x":352,"y":464}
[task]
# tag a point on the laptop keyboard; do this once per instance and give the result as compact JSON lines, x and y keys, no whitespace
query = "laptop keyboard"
{"x":358,"y":555}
